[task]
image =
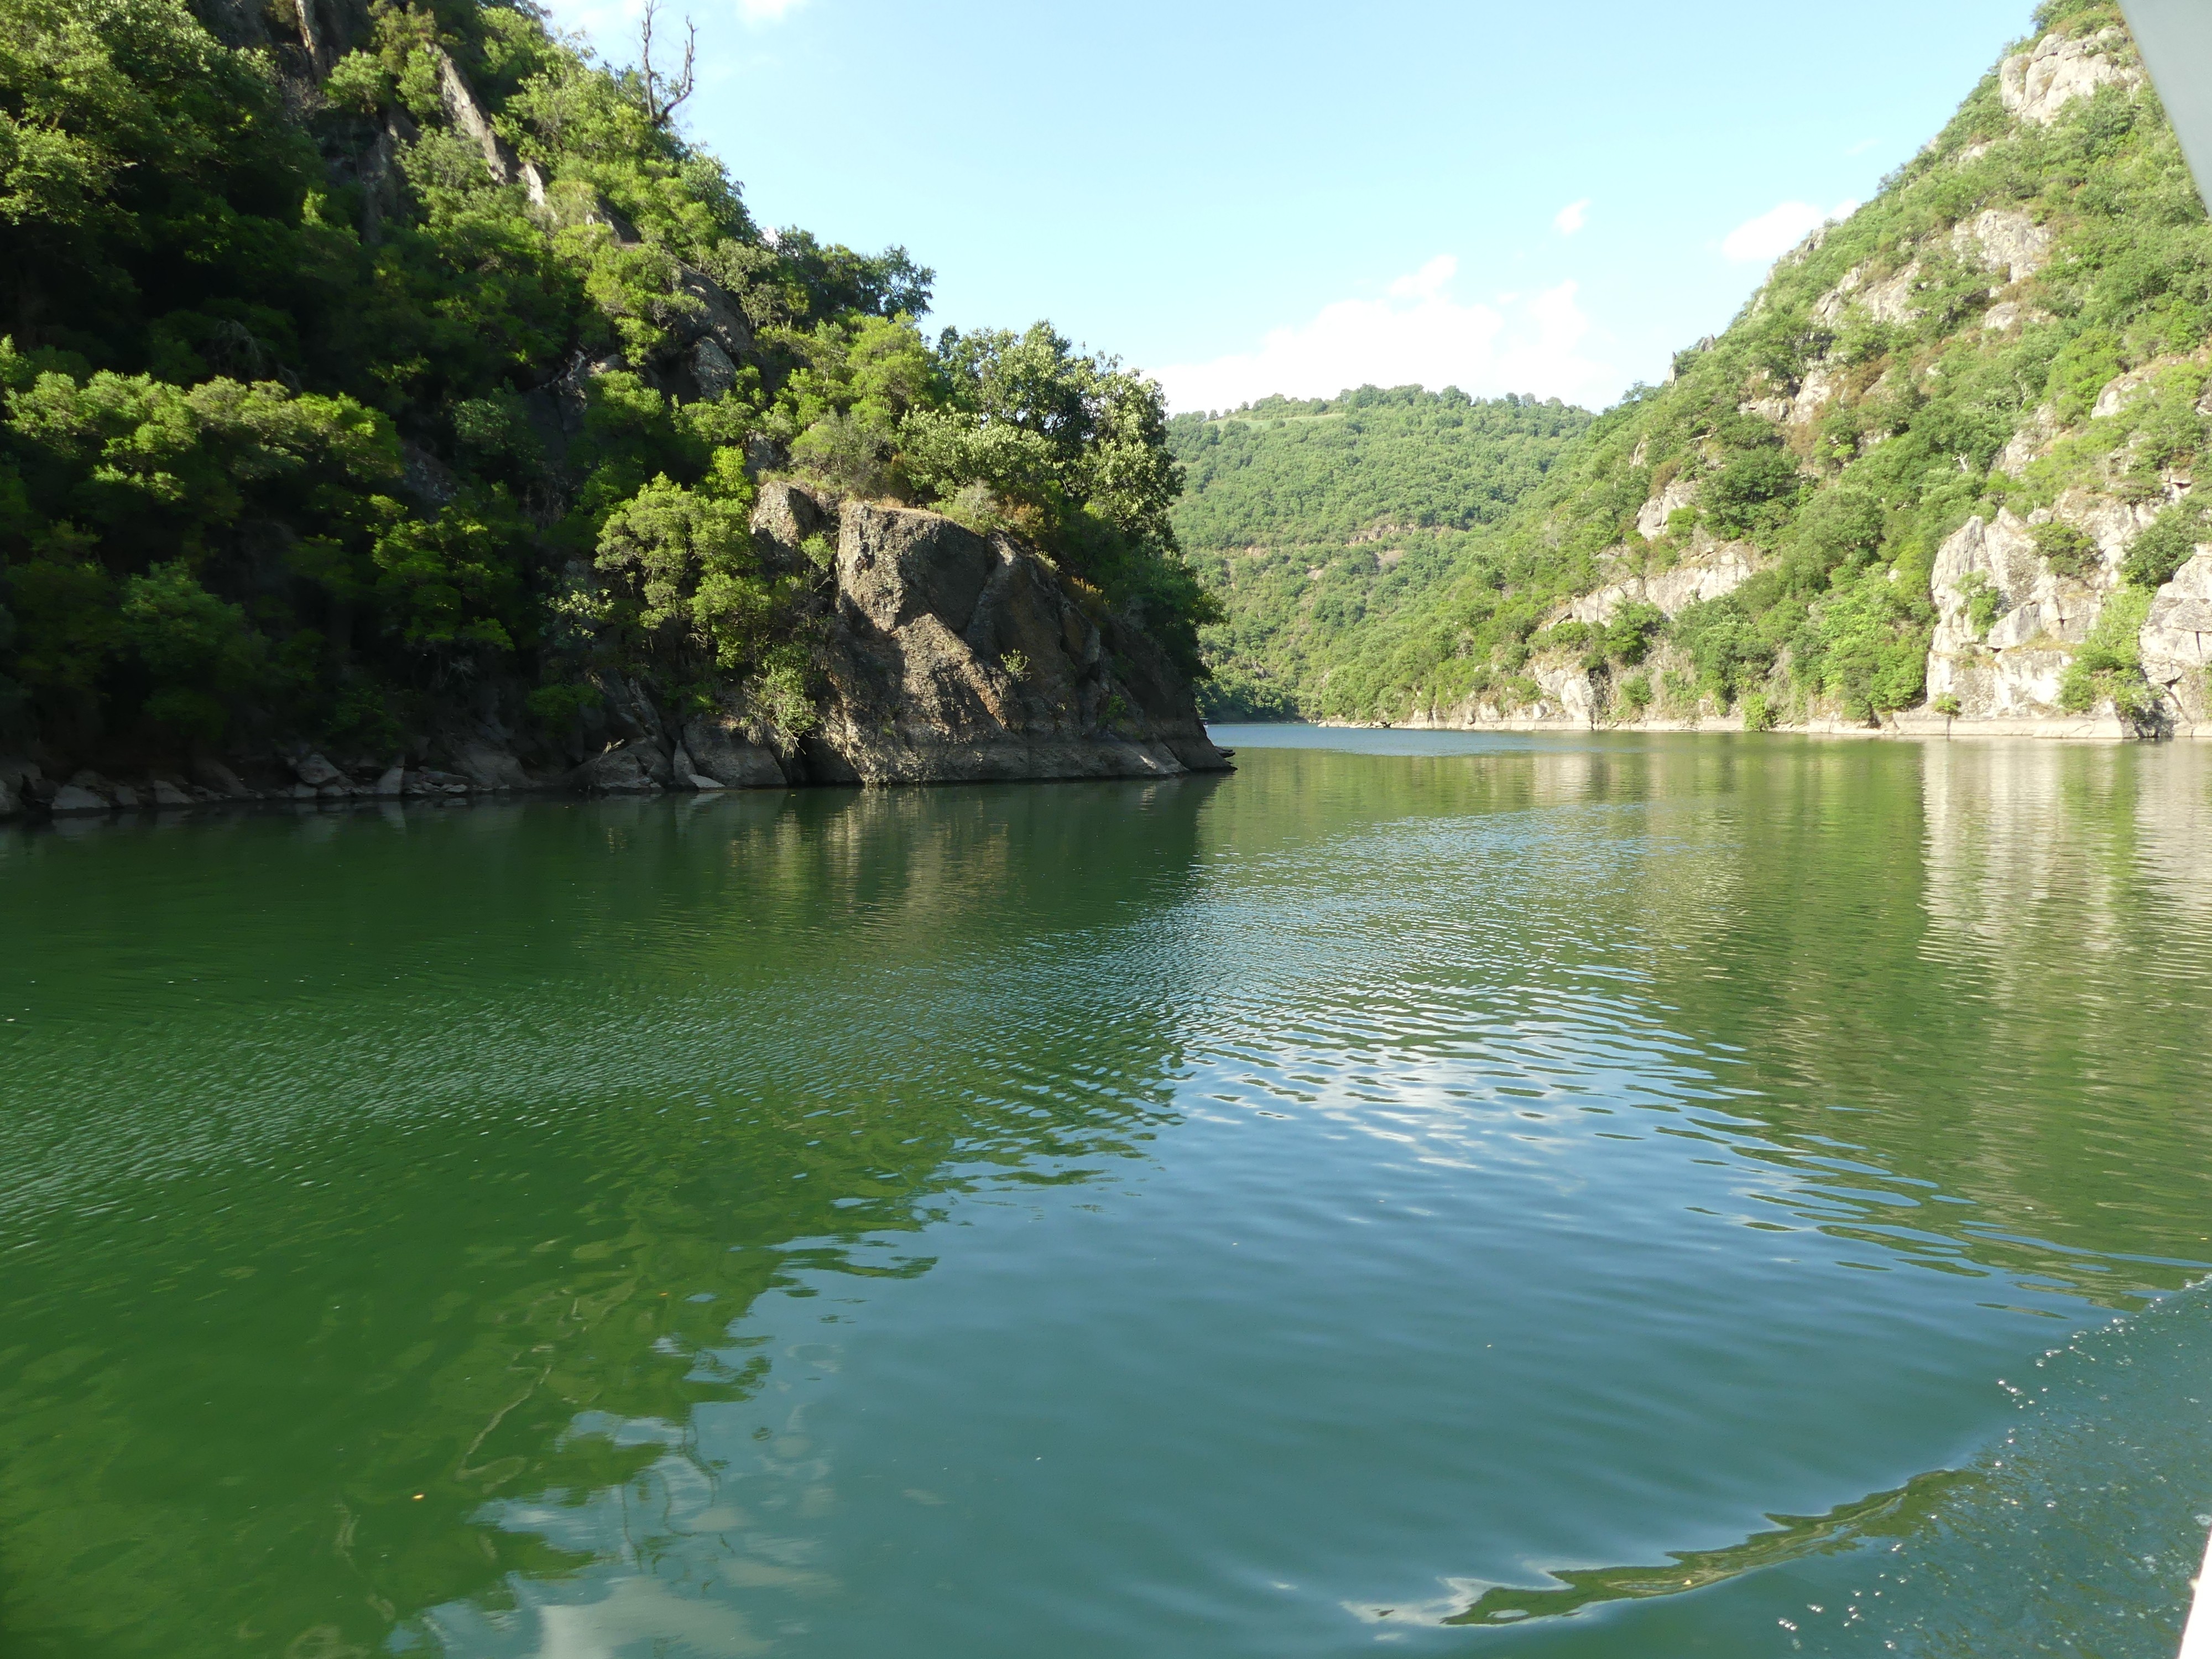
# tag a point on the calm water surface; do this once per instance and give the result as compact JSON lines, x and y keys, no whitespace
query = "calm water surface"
{"x":1470,"y":1195}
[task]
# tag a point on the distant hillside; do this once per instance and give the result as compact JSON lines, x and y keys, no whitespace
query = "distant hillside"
{"x":1940,"y":468}
{"x":1305,"y":515}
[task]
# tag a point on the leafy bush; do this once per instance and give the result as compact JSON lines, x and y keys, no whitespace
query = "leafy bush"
{"x":1752,"y":494}
{"x":2108,"y":664}
{"x":1984,"y":601}
{"x":2165,"y":544}
{"x":1633,"y":626}
{"x":2066,"y":550}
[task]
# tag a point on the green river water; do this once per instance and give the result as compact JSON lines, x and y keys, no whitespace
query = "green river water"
{"x":1438,"y":1193}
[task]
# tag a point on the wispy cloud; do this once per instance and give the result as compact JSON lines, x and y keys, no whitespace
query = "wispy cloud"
{"x":1862,"y":147}
{"x":1572,"y":217}
{"x":1417,"y":334}
{"x":767,"y":11}
{"x":1779,"y":229}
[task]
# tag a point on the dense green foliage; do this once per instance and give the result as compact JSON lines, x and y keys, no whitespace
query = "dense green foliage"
{"x":1306,"y":516}
{"x":1844,"y":510}
{"x":318,"y":412}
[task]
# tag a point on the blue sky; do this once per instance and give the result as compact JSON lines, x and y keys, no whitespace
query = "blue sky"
{"x":1243,"y":199}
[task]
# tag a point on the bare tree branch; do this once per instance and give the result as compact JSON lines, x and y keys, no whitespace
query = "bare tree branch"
{"x":663,"y":93}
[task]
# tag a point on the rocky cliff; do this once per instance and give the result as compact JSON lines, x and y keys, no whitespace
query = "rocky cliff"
{"x":943,"y":656}
{"x":1938,"y":476}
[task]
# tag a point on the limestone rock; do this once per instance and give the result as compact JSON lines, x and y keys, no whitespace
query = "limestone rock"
{"x":700,"y":781}
{"x":2008,"y":314}
{"x":314,"y":771}
{"x":2012,"y":670}
{"x":2007,"y":239}
{"x":74,"y":800}
{"x":926,"y":627}
{"x":11,"y":803}
{"x":470,"y":119}
{"x":1887,"y":301}
{"x":1815,"y":392}
{"x":213,"y":774}
{"x":167,"y":794}
{"x":1651,"y":517}
{"x":2032,"y":441}
{"x":720,"y":748}
{"x":626,"y":768}
{"x":1712,"y":569}
{"x":124,"y":797}
{"x":2122,"y":390}
{"x":488,"y":767}
{"x":2036,"y":84}
{"x":2177,"y":635}
{"x":712,"y":370}
{"x":392,"y":783}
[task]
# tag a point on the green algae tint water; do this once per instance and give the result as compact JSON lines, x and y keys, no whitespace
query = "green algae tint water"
{"x":1453,"y":1195}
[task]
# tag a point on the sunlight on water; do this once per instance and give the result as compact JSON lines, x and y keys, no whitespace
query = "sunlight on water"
{"x":1618,"y":1195}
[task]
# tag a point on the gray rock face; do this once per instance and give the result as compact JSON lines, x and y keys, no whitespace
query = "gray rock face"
{"x":720,"y":750}
{"x":2005,"y":239}
{"x":167,"y":794}
{"x":316,"y":772}
{"x":491,"y":768}
{"x":214,"y":775}
{"x":626,"y":768}
{"x":951,"y":656}
{"x":72,"y":800}
{"x":1712,"y":569}
{"x":2177,"y":638}
{"x":2036,"y":84}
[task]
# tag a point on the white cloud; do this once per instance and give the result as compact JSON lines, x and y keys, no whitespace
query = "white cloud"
{"x":1779,"y":229}
{"x":1862,"y":147}
{"x":1572,"y":217}
{"x":1418,"y":333}
{"x":767,"y":11}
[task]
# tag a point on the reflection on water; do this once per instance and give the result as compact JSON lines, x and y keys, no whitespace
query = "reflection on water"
{"x":1365,"y":1196}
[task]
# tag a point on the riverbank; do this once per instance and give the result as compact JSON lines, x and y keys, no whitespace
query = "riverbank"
{"x":1909,"y":723}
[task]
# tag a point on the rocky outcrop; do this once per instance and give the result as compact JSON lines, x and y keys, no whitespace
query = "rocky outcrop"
{"x":2036,"y":84}
{"x":948,"y":655}
{"x":2009,"y":621}
{"x":1651,"y":517}
{"x":1886,"y":299}
{"x":2005,"y":239}
{"x":2176,"y":641}
{"x":473,"y":122}
{"x":1710,"y":569}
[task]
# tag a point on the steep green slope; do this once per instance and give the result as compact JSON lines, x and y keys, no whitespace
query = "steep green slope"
{"x":1305,"y":516}
{"x":1942,"y":460}
{"x":364,"y":361}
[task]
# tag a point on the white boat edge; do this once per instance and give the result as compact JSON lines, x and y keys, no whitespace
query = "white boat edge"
{"x":2196,"y":1638}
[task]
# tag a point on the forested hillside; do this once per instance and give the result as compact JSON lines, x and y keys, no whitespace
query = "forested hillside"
{"x":1941,"y":467}
{"x":1307,"y":516}
{"x":364,"y":362}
